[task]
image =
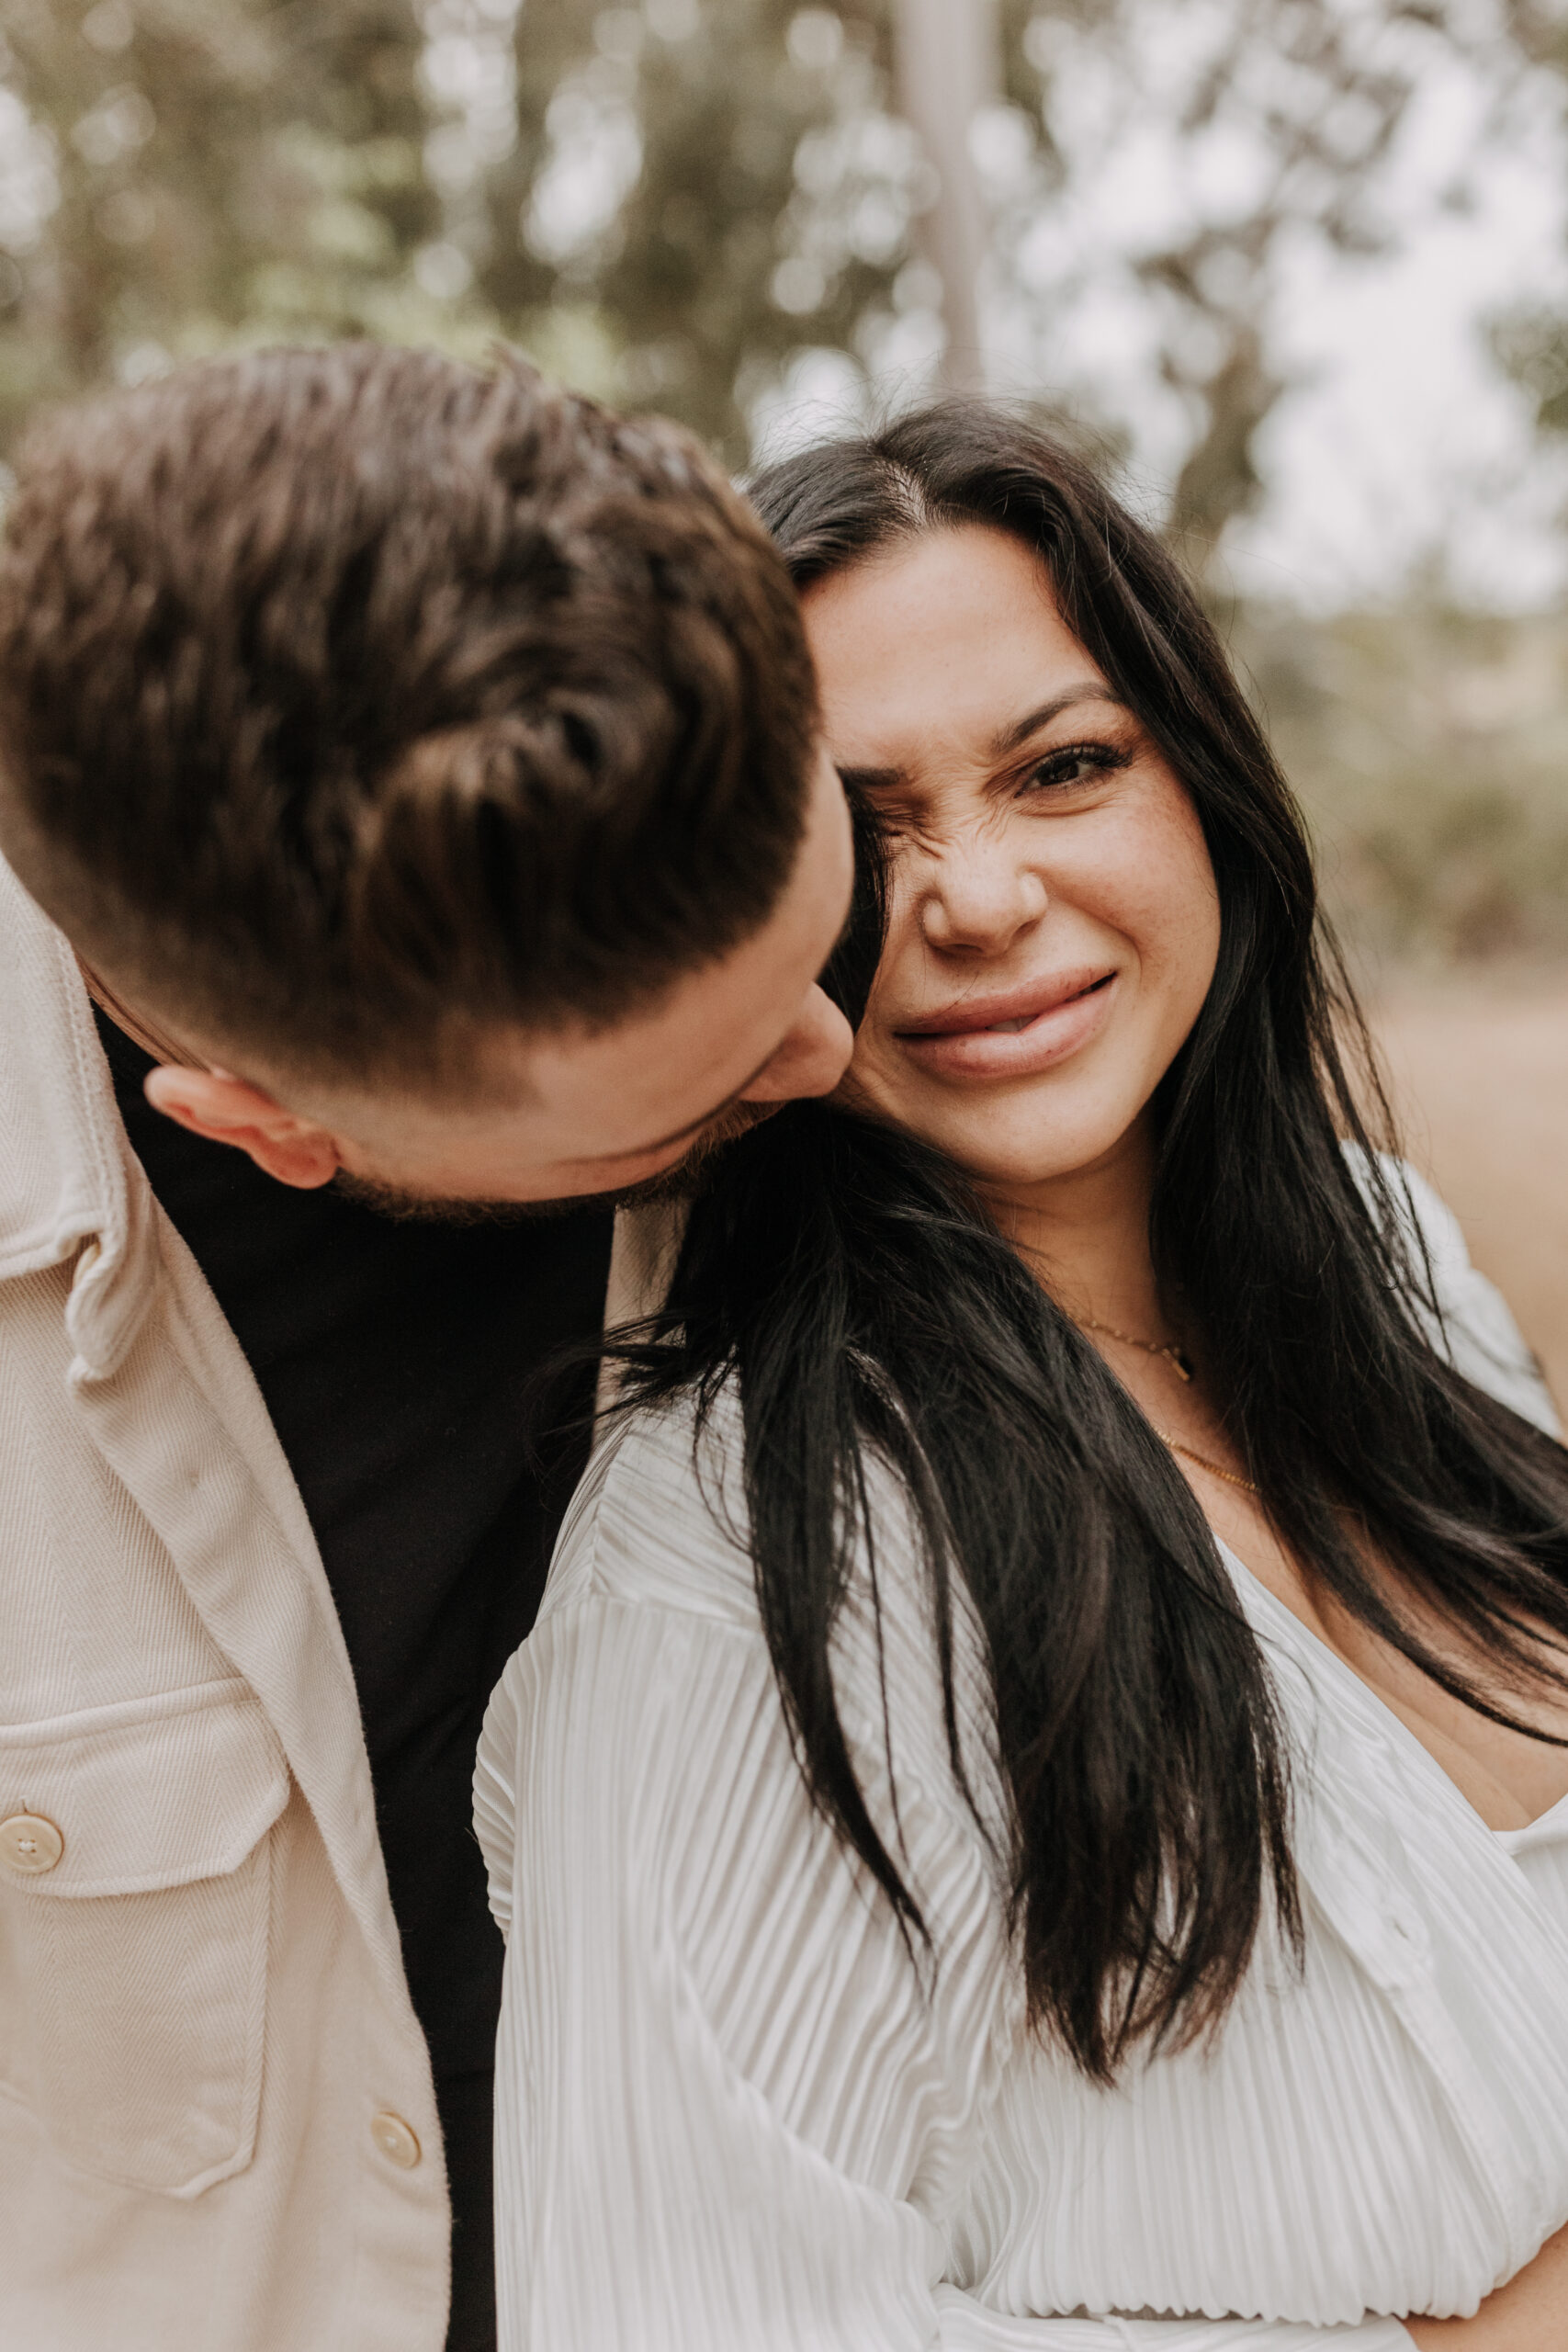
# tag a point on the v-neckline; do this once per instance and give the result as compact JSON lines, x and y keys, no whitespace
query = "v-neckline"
{"x":1548,"y":1829}
{"x":1391,"y":1719}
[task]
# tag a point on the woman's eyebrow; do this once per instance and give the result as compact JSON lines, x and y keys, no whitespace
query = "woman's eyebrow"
{"x":856,"y":779}
{"x":1090,"y":690}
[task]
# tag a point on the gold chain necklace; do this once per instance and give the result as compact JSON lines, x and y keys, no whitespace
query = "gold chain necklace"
{"x":1180,"y":1363}
{"x":1174,"y":1355}
{"x":1231,"y":1478}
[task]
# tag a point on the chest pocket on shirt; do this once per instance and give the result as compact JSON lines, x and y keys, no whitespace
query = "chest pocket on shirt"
{"x":135,"y":1888}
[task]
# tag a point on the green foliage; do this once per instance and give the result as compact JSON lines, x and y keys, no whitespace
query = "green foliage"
{"x":1532,"y":347}
{"x":770,"y":205}
{"x":225,"y":169}
{"x":774,"y":206}
{"x":250,"y":170}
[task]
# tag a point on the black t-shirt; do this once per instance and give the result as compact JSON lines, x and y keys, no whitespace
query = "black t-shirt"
{"x":392,"y":1359}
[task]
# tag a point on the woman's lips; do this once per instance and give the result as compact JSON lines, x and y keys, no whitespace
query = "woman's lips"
{"x":1015,"y":1036}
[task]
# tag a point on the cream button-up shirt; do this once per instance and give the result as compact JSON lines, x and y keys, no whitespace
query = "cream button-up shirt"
{"x":218,"y":2130}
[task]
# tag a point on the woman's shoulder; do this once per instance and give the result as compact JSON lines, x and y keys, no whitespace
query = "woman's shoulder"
{"x":651,"y":1616}
{"x":647,"y":1578}
{"x":658,"y":1537}
{"x":659,"y":1521}
{"x":1474,"y":1327}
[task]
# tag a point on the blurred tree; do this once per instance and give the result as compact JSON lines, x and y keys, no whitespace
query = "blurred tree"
{"x":1301,"y":102}
{"x":1531,"y":345}
{"x":671,"y":201}
{"x":948,"y":57}
{"x":187,"y":172}
{"x":705,"y":189}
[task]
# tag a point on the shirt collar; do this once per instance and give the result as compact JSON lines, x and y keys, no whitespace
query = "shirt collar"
{"x":69,"y":1182}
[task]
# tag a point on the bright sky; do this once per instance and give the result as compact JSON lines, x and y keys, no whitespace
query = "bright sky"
{"x":1399,"y":442}
{"x":1405,"y":438}
{"x":1400,"y":445}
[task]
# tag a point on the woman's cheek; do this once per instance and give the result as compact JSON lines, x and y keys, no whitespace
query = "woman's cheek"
{"x":1167,"y":903}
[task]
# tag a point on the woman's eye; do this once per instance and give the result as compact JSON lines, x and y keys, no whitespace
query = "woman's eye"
{"x":1075,"y":764}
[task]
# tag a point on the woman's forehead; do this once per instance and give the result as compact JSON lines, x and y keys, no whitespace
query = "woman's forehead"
{"x":946,"y":643}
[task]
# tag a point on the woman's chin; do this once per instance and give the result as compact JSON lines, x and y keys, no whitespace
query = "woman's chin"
{"x":1014,"y":1135}
{"x":1018,"y":1167}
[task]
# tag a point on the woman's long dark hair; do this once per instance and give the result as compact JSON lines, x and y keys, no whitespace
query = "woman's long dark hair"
{"x":867,"y":1303}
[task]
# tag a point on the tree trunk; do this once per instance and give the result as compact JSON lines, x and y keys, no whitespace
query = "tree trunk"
{"x":948,"y":68}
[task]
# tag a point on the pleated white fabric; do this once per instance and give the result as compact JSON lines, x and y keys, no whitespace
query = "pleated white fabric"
{"x":733,"y":2111}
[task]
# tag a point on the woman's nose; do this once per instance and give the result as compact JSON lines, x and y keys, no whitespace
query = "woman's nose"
{"x":981,"y":898}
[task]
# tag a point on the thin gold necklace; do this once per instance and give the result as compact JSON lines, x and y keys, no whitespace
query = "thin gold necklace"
{"x":1180,"y":1363}
{"x":1231,"y":1478}
{"x":1174,"y":1353}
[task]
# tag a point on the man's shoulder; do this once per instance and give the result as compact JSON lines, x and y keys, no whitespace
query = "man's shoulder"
{"x":62,"y":1174}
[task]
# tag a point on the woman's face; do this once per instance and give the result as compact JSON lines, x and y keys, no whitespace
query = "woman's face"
{"x":1054,"y":919}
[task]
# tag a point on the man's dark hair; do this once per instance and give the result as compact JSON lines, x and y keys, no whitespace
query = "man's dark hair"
{"x":355,"y":701}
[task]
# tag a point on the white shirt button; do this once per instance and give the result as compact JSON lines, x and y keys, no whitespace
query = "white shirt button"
{"x":395,"y":2140}
{"x":30,"y":1844}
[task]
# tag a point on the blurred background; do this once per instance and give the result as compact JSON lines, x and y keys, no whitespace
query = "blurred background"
{"x":1298,"y":268}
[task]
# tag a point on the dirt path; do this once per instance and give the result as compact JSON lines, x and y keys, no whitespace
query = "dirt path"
{"x":1482,"y":1088}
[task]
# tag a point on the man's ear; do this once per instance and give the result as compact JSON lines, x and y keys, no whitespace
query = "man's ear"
{"x":227,"y":1110}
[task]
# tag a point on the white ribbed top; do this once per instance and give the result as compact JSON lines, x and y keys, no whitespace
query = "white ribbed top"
{"x":733,"y":2114}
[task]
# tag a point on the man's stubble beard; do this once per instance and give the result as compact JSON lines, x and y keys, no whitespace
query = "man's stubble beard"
{"x":685,"y":1181}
